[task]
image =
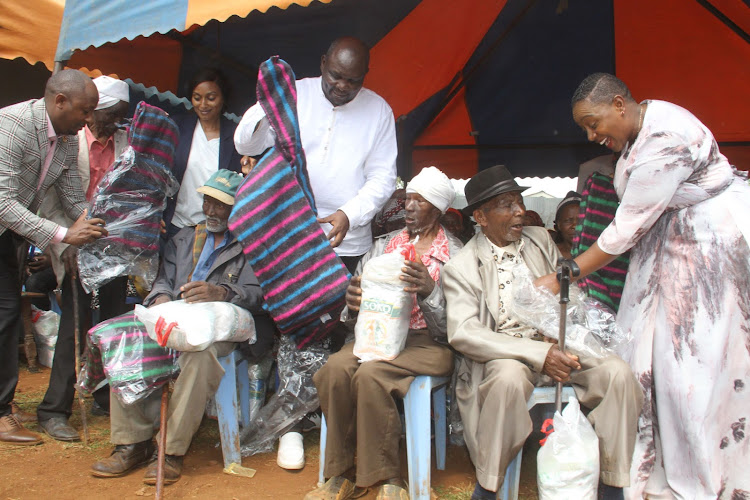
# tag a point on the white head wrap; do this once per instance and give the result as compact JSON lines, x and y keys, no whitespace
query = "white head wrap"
{"x":434,"y":186}
{"x":111,"y":91}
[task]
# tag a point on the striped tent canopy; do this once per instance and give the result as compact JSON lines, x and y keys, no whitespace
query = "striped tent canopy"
{"x":471,"y":84}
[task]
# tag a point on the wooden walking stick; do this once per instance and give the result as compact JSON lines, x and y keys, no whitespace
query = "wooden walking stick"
{"x":160,"y":456}
{"x":566,"y":268}
{"x":77,"y":347}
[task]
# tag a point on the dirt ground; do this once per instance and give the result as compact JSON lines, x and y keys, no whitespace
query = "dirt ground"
{"x":56,"y":470}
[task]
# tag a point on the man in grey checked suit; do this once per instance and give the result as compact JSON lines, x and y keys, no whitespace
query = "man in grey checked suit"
{"x":38,"y":151}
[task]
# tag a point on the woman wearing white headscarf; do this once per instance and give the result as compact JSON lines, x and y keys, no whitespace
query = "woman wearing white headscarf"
{"x":363,"y":393}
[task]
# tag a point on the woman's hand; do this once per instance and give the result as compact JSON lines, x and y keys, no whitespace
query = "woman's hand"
{"x":418,"y":278}
{"x":549,"y":282}
{"x":354,"y":293}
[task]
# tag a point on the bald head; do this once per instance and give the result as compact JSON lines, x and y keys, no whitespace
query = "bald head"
{"x":70,"y":97}
{"x":343,"y":69}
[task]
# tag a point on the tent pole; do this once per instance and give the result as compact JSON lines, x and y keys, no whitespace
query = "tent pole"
{"x":59,"y":65}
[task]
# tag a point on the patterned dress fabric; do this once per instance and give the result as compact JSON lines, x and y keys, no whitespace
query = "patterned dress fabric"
{"x":686,"y":216}
{"x":274,"y":218}
{"x":131,"y":198}
{"x":599,"y":203}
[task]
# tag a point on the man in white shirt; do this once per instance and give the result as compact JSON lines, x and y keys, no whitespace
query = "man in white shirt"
{"x":349,"y":137}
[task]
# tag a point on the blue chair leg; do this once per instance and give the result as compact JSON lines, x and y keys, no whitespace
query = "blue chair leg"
{"x":438,"y":409}
{"x":323,"y":436}
{"x":416,"y":406}
{"x":226,"y":409}
{"x":509,"y":490}
{"x":243,"y":385}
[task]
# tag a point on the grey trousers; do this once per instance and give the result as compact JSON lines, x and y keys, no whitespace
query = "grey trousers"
{"x":497,"y":423}
{"x":200,"y":374}
{"x":361,"y":414}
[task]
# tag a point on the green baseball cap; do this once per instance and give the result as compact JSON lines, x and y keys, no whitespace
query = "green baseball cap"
{"x":222,"y":185}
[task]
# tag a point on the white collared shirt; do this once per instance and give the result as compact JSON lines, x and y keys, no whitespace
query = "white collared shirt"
{"x":351,"y":155}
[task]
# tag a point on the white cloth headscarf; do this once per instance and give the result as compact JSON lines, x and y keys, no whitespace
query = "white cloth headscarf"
{"x":111,"y":91}
{"x":434,"y":186}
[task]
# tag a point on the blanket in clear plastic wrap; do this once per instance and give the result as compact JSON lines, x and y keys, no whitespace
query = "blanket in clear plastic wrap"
{"x":131,"y":198}
{"x":591,"y":327}
{"x":121,"y":351}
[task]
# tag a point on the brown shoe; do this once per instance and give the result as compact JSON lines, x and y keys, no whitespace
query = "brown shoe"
{"x":172,"y":470}
{"x":22,"y":416}
{"x":13,"y":432}
{"x":123,"y":459}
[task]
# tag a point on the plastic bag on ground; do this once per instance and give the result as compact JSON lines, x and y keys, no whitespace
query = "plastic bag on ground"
{"x":120,"y":351}
{"x":295,"y":397}
{"x":568,"y":463}
{"x":45,"y":325}
{"x":591,"y":326}
{"x":193,"y":327}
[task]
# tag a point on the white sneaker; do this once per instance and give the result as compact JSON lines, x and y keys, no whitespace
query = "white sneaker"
{"x":291,"y":454}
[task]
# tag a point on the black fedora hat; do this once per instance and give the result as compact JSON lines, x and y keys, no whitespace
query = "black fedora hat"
{"x":487,"y":184}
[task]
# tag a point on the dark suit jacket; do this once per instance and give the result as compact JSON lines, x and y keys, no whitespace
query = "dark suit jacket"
{"x":23,"y":147}
{"x":229,"y":158}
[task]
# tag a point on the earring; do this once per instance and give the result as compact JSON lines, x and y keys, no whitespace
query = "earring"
{"x":622,"y":113}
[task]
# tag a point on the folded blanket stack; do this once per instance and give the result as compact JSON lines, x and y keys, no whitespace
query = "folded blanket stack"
{"x":274,"y":217}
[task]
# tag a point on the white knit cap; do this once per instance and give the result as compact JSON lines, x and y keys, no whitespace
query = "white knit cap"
{"x":434,"y":186}
{"x":111,"y":91}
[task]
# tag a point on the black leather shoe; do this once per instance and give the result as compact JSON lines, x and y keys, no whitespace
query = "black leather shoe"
{"x":123,"y":459}
{"x":59,"y":428}
{"x":172,"y":470}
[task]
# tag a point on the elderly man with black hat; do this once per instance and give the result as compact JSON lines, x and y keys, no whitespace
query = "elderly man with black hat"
{"x":504,"y":359}
{"x":204,"y":263}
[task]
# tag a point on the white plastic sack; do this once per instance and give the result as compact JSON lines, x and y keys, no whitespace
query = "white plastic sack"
{"x":568,"y":463}
{"x":383,"y":320}
{"x":193,"y":327}
{"x":44,"y":327}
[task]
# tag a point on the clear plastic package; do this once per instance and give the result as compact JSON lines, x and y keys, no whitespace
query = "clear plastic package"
{"x":591,"y":327}
{"x":121,"y":351}
{"x":45,"y":325}
{"x":131,"y":198}
{"x":295,"y":397}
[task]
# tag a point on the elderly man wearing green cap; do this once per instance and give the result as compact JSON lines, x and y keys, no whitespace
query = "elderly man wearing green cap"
{"x":204,"y":263}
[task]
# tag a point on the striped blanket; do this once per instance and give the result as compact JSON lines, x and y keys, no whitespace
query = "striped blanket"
{"x":121,"y":351}
{"x":274,"y":217}
{"x":598,"y":207}
{"x":131,"y":198}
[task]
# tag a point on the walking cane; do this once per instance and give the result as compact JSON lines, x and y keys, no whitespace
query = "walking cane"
{"x":77,"y":347}
{"x":565,"y":268}
{"x":160,"y":456}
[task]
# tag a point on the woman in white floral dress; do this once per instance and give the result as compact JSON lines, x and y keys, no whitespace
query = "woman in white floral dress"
{"x":686,"y":215}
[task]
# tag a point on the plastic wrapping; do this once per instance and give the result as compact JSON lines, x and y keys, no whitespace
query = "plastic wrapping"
{"x":45,"y":325}
{"x":258,"y":374}
{"x":384,"y":313}
{"x":591,"y":327}
{"x":130,"y":198}
{"x":121,"y":351}
{"x":568,"y":463}
{"x":193,"y":327}
{"x":295,"y":397}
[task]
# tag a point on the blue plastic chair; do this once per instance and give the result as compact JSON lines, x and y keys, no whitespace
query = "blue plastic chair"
{"x":235,"y":375}
{"x":417,"y":415}
{"x":541,"y":395}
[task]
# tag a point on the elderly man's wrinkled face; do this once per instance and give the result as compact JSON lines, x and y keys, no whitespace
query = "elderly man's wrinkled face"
{"x":420,"y":214}
{"x":501,"y":218}
{"x":217,"y":214}
{"x":104,"y":122}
